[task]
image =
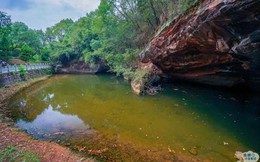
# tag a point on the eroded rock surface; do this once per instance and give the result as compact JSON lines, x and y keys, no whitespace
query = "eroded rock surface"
{"x":82,"y":68}
{"x":216,"y":43}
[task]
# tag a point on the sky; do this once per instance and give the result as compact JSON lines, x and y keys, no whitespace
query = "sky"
{"x":40,"y":14}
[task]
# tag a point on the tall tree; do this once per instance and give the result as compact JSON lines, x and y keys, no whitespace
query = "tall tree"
{"x":26,"y":53}
{"x":5,"y":44}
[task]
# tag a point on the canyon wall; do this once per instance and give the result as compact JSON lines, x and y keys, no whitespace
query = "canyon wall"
{"x":216,"y":42}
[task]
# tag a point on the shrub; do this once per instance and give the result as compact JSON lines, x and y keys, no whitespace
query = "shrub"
{"x":141,"y":75}
{"x":48,"y":71}
{"x":123,"y":64}
{"x":22,"y":71}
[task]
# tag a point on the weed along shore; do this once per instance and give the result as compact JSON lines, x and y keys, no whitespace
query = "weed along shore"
{"x":17,"y":145}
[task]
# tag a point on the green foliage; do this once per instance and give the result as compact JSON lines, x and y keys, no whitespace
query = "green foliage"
{"x":17,"y":39}
{"x":36,"y":58}
{"x":113,"y":34}
{"x":21,"y":35}
{"x":5,"y":20}
{"x":48,"y":71}
{"x":11,"y":154}
{"x":58,"y":32}
{"x":4,"y":49}
{"x":45,"y":55}
{"x":128,"y":73}
{"x":141,"y":75}
{"x":5,"y":44}
{"x":95,"y":44}
{"x":5,"y":154}
{"x":123,"y":63}
{"x":186,"y":4}
{"x":1,"y":90}
{"x":22,"y":71}
{"x":26,"y":53}
{"x":92,"y":57}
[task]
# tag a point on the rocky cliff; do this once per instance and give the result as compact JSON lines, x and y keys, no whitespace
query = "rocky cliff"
{"x":216,"y":42}
{"x":82,"y":68}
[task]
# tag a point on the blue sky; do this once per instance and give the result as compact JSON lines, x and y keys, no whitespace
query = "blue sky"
{"x":40,"y":14}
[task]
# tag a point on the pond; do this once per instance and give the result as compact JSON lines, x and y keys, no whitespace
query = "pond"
{"x":100,"y":112}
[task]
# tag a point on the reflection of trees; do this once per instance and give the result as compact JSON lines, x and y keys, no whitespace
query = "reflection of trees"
{"x":67,"y":91}
{"x":23,"y":110}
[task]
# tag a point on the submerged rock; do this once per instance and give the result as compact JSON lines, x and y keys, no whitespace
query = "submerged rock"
{"x":215,"y":43}
{"x":193,"y":151}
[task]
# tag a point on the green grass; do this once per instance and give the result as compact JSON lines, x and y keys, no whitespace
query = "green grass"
{"x":2,"y":89}
{"x":12,"y":154}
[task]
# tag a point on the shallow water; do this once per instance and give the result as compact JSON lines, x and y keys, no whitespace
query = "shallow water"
{"x":217,"y":123}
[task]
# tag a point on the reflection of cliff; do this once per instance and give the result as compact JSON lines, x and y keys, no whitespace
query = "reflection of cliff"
{"x":216,"y":43}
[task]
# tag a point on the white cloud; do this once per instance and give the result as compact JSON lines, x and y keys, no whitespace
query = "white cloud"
{"x":46,"y":13}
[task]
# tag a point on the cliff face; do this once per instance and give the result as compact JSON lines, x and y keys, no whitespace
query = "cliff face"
{"x":82,"y":68}
{"x":216,"y":43}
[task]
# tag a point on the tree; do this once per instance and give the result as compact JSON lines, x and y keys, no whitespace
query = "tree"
{"x":118,"y":29}
{"x":45,"y":54}
{"x":26,"y":53}
{"x":58,"y":31}
{"x":5,"y":22}
{"x":17,"y":39}
{"x":21,"y":34}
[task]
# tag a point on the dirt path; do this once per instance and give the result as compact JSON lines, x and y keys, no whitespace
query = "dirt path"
{"x":10,"y":136}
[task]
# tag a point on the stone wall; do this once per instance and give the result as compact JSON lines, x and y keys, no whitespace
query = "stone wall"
{"x":7,"y":79}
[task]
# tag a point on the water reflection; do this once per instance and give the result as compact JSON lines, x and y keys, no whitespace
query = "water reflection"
{"x":216,"y":122}
{"x":49,"y":97}
{"x":51,"y":124}
{"x":23,"y":103}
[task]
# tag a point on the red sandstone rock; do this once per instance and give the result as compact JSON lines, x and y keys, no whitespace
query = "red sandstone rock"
{"x":216,"y":42}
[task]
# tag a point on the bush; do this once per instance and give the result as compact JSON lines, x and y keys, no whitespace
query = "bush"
{"x":123,"y":64}
{"x":141,"y":75}
{"x":22,"y":71}
{"x":48,"y":71}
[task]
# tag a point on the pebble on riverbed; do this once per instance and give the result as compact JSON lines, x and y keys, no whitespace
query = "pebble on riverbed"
{"x":193,"y":151}
{"x":225,"y":143}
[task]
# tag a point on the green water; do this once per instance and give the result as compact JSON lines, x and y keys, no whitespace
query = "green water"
{"x":179,"y":118}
